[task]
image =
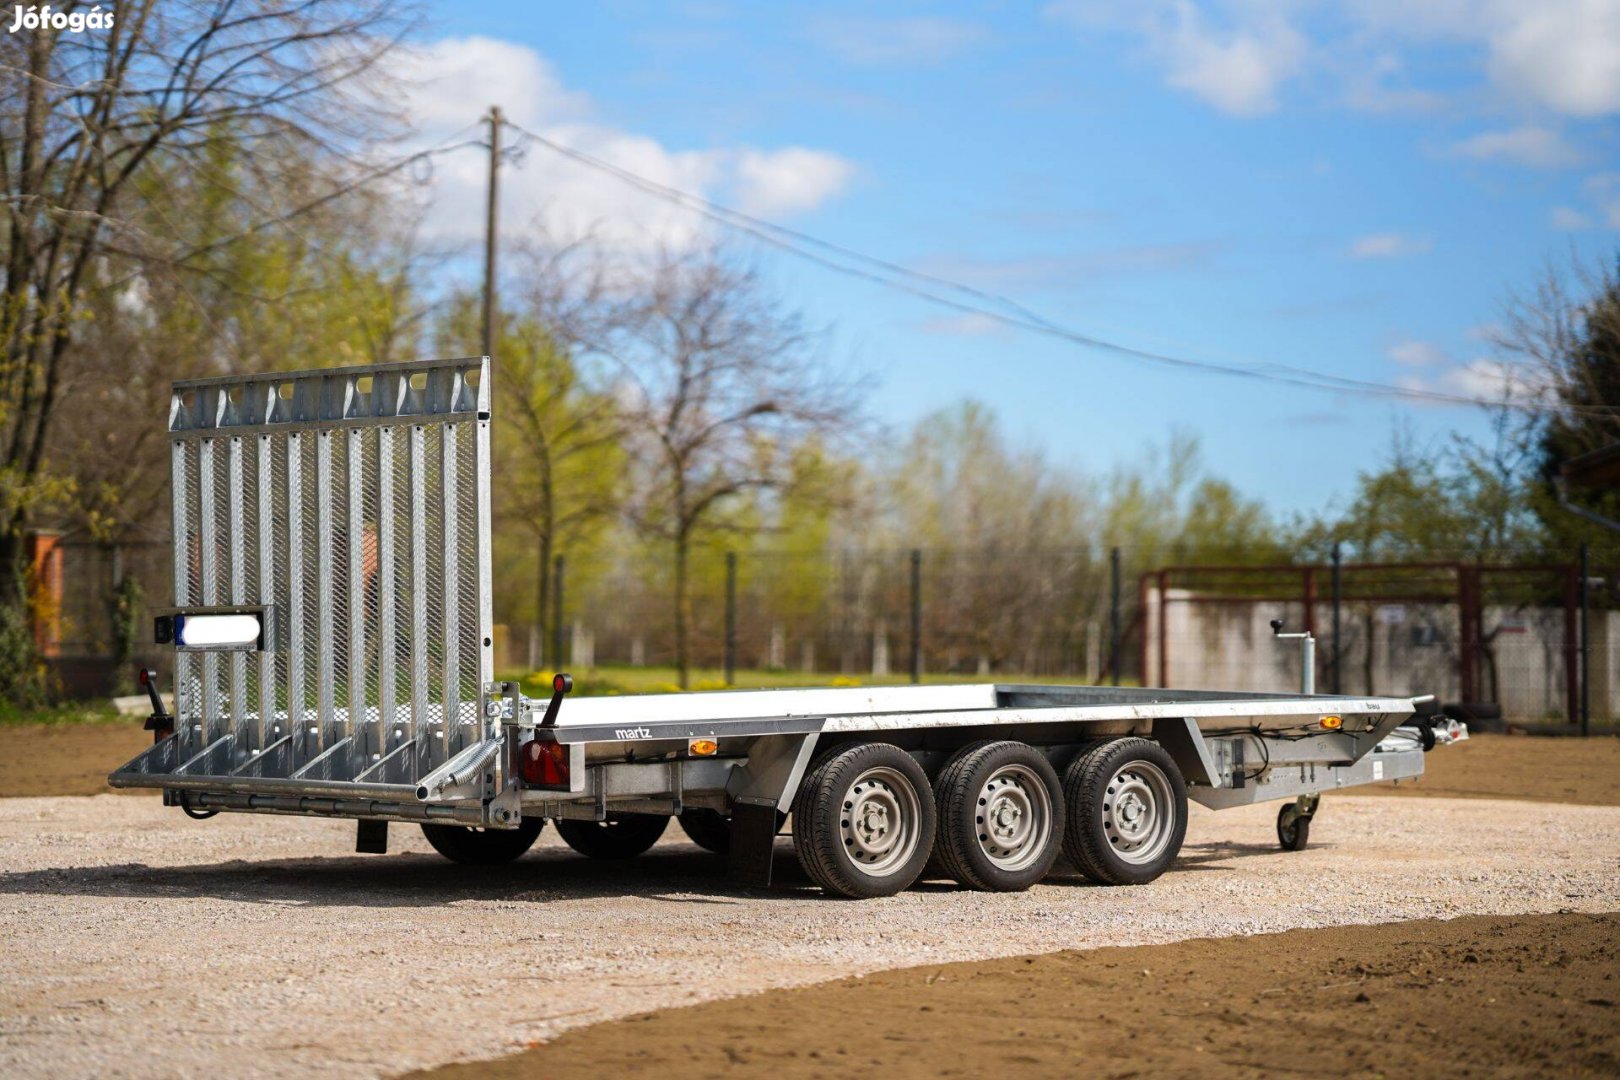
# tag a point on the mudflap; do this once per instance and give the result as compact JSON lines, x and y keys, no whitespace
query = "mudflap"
{"x":371,"y":837}
{"x":753,"y":841}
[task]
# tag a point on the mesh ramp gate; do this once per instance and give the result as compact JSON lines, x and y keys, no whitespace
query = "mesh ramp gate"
{"x":353,"y":503}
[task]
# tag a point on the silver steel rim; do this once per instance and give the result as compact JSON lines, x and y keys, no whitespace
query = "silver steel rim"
{"x":1013,"y":817}
{"x":879,"y":820}
{"x":1139,"y":812}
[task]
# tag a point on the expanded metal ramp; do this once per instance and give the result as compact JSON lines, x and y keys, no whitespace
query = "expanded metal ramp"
{"x":353,"y":506}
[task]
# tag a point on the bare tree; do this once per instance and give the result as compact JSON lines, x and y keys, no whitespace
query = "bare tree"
{"x":1567,"y":332}
{"x":720,"y":383}
{"x":91,"y":117}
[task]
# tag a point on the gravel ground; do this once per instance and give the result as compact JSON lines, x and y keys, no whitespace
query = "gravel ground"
{"x":137,"y":942}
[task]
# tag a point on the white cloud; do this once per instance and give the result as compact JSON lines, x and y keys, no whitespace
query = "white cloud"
{"x":1418,"y":354}
{"x":874,"y":42}
{"x":1482,"y":380}
{"x":1237,"y":64}
{"x":1388,"y":245}
{"x":1429,"y":369}
{"x":775,"y":183}
{"x":568,"y":199}
{"x":1529,"y":145}
{"x":970,"y":324}
{"x":1237,"y":70}
{"x":1561,"y":56}
{"x":1569,"y":219}
{"x":1604,"y":191}
{"x":1564,"y":54}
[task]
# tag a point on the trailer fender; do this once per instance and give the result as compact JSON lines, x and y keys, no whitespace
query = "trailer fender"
{"x":758,"y":791}
{"x":1182,"y":739}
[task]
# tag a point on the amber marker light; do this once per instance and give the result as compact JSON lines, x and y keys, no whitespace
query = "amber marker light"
{"x":1332,"y":723}
{"x":702,"y":747}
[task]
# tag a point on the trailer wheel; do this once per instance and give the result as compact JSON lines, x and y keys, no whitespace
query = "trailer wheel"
{"x":863,"y":821}
{"x":1000,"y":816}
{"x":483,"y":847}
{"x":708,"y":829}
{"x":621,"y":836}
{"x":1293,"y":828}
{"x":1127,"y":812}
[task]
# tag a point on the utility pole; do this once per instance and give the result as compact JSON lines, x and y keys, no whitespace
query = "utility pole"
{"x":495,"y":122}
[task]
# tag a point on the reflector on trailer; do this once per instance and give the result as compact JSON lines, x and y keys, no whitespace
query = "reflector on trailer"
{"x":545,"y":764}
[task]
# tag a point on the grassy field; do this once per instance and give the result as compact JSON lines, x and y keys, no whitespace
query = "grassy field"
{"x":70,"y":713}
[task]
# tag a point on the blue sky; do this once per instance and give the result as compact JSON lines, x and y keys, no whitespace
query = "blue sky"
{"x":1353,"y":188}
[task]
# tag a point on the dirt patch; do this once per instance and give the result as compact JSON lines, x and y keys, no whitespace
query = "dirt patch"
{"x":1541,"y":769}
{"x":66,"y":759}
{"x":1479,"y":995}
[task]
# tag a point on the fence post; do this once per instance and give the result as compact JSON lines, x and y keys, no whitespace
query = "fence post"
{"x":731,"y":618}
{"x":916,"y":615}
{"x":1338,"y":595}
{"x":1113,"y":616}
{"x":1586,"y":641}
{"x":557,"y":578}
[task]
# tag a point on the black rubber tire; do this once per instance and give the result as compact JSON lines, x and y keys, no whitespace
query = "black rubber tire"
{"x":957,"y":847}
{"x":621,"y":836}
{"x":1086,"y":791}
{"x":818,"y":813}
{"x":1293,"y":831}
{"x":483,"y":847}
{"x":708,"y":829}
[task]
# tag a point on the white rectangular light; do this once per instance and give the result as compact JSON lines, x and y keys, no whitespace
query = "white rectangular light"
{"x":218,"y":631}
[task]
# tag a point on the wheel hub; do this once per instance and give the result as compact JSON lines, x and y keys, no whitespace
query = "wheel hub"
{"x":1013,"y":817}
{"x":1138,"y":811}
{"x":879,"y":821}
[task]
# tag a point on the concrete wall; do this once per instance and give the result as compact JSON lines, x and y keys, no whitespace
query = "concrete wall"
{"x":1388,"y":649}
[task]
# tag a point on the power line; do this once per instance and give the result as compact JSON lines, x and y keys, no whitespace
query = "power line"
{"x":894,"y":276}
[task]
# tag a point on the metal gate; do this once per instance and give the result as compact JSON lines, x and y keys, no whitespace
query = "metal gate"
{"x":349,"y":508}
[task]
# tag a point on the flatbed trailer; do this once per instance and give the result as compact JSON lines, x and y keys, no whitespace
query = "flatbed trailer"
{"x":333,"y":639}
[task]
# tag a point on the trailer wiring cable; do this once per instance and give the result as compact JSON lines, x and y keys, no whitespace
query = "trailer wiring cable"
{"x":793,"y":242}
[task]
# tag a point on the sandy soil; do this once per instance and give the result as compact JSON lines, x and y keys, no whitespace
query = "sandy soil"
{"x":140,"y":943}
{"x":1536,"y":996}
{"x":1540,"y":769}
{"x":75,"y":760}
{"x":65,"y":759}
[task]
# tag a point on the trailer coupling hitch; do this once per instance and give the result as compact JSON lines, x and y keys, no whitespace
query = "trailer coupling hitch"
{"x":562,"y":684}
{"x":160,"y":723}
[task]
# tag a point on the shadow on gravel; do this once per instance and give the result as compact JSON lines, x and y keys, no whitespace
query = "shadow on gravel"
{"x":676,"y":874}
{"x":420,"y":880}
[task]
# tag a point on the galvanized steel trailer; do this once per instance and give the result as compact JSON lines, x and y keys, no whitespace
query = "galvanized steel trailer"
{"x":333,"y":641}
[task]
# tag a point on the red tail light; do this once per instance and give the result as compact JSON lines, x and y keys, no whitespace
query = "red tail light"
{"x":545,"y":764}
